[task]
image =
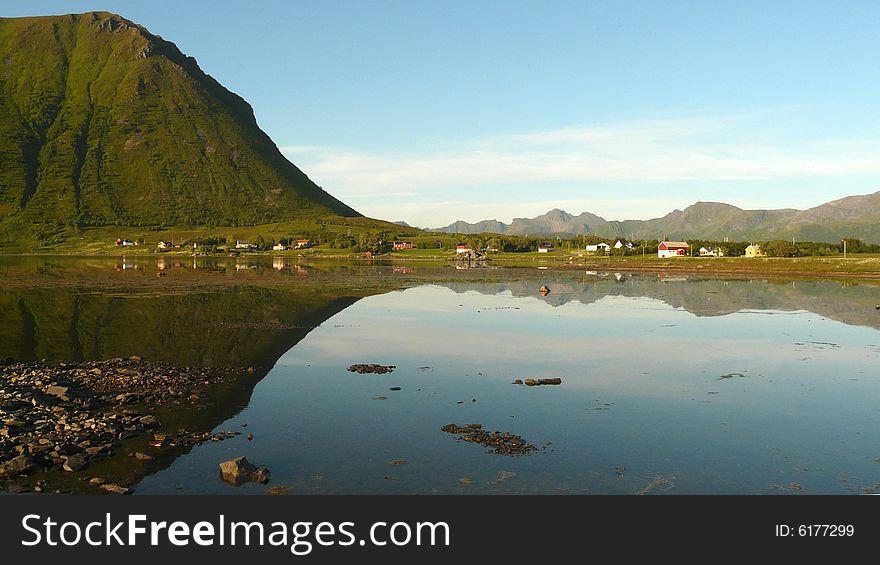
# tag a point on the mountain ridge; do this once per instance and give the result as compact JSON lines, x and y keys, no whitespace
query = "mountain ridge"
{"x":104,"y":123}
{"x":851,"y":216}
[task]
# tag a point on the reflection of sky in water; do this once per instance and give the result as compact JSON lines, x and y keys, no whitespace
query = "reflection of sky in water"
{"x":641,"y":398}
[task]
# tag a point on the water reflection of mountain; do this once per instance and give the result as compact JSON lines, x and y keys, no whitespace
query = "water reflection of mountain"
{"x":244,"y":327}
{"x":851,"y":303}
{"x":238,"y":327}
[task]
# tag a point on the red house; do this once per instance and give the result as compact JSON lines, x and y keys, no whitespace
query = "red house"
{"x":672,"y":249}
{"x":402,"y":245}
{"x":462,"y":248}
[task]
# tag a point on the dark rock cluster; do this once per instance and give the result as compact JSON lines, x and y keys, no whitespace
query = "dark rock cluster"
{"x":371,"y":368}
{"x":501,"y":443}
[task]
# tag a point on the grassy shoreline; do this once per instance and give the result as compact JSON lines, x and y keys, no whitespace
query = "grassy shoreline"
{"x":859,"y":266}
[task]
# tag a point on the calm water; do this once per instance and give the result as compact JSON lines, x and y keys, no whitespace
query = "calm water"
{"x":647,"y":400}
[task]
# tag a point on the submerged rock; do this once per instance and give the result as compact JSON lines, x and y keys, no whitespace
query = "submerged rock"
{"x":239,"y":471}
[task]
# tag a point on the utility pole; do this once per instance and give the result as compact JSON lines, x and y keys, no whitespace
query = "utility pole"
{"x":844,"y":249}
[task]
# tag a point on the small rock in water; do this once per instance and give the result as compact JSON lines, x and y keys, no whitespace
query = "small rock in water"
{"x":371,"y":368}
{"x":394,"y":388}
{"x":250,"y":437}
{"x":239,"y":471}
{"x":149,"y":422}
{"x":116,"y":489}
{"x":142,"y":456}
{"x":518,"y":382}
{"x":75,"y":463}
{"x":540,"y":382}
{"x":544,"y":290}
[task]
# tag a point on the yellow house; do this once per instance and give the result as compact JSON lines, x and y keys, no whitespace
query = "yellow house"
{"x":754,"y":250}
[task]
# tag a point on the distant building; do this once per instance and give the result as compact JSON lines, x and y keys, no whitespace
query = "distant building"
{"x":279,"y":247}
{"x":402,"y":245}
{"x":755,"y":250}
{"x":598,"y":247}
{"x":302,"y":244}
{"x":711,"y":251}
{"x":243,"y":245}
{"x":672,"y":249}
{"x":623,"y":243}
{"x":165,"y":245}
{"x":462,"y":248}
{"x":545,"y":247}
{"x":125,"y":242}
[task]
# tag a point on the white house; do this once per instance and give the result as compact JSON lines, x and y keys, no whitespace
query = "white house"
{"x":545,"y":247}
{"x":279,"y":247}
{"x":462,"y":248}
{"x":623,"y":243}
{"x":711,"y":251}
{"x":598,"y":247}
{"x":243,"y":245}
{"x":672,"y":249}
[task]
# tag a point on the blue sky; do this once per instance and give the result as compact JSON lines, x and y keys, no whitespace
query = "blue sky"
{"x":430,"y":112}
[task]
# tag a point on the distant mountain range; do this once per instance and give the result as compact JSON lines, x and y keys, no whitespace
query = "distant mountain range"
{"x":853,"y":216}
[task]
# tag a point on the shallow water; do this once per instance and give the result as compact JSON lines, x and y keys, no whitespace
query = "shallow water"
{"x":642,"y":400}
{"x":668,"y":386}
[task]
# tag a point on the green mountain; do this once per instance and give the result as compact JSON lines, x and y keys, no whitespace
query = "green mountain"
{"x":104,"y":123}
{"x":853,"y":216}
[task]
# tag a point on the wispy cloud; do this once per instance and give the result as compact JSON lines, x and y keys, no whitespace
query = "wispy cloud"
{"x":452,"y":174}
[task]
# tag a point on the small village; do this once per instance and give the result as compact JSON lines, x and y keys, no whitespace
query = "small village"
{"x":483,"y":246}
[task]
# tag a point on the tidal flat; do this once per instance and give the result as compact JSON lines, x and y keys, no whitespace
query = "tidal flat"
{"x":664,"y":383}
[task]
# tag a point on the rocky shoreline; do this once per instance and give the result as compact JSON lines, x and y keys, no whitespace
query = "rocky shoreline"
{"x":62,"y":417}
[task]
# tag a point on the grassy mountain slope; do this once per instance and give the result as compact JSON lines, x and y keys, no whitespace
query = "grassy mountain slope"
{"x":103,"y":123}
